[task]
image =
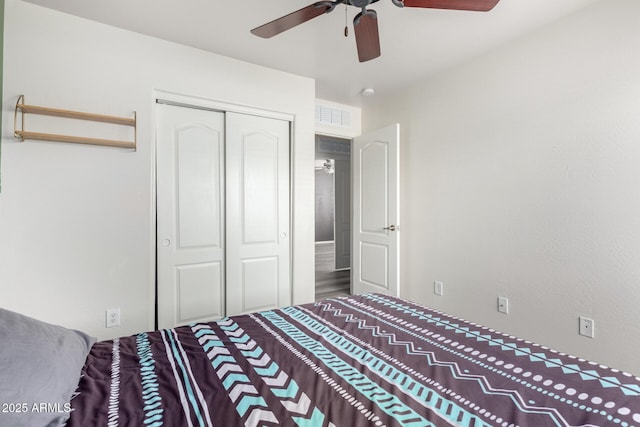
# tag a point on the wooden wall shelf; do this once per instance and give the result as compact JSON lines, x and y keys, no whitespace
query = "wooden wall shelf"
{"x":22,"y":134}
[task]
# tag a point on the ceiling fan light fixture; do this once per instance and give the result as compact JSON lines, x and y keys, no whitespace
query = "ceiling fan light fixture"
{"x":367,"y":91}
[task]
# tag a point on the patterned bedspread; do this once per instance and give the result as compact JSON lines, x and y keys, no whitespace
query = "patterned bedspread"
{"x":368,"y":360}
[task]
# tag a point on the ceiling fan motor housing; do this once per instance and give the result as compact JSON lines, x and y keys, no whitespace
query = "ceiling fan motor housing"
{"x":361,"y":3}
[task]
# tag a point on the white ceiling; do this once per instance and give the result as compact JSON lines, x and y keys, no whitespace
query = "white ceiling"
{"x":414,"y":42}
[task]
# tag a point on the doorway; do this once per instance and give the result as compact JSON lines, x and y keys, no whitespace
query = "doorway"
{"x":332,"y":217}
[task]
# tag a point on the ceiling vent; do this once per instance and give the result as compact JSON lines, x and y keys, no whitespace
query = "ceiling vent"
{"x":333,"y":116}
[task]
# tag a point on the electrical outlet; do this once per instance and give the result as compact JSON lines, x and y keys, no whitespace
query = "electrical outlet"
{"x":587,"y":327}
{"x":503,"y":305}
{"x":112,"y":317}
{"x":438,"y":287}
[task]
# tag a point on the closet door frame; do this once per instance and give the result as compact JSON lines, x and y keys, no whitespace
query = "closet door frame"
{"x":179,"y":100}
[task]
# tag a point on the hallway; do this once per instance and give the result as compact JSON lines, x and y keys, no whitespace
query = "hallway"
{"x":330,"y":282}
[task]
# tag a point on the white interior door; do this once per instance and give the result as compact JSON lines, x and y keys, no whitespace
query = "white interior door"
{"x":258,"y":244}
{"x":190,"y":215}
{"x":376,"y":212}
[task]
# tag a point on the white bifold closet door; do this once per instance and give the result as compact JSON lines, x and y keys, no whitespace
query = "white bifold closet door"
{"x":223,"y":214}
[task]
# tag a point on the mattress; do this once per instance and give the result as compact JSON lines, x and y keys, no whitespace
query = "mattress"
{"x":368,"y":360}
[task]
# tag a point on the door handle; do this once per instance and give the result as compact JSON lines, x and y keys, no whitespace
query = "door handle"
{"x":390,"y":228}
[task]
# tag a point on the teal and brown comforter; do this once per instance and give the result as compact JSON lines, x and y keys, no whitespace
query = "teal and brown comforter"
{"x":369,"y":360}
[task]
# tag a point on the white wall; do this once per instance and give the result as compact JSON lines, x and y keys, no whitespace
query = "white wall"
{"x":77,"y":222}
{"x":520,"y":178}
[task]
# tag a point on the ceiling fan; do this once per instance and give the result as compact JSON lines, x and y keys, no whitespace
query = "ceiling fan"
{"x":365,"y":24}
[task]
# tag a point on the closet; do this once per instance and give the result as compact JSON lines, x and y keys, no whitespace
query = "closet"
{"x":223,"y":214}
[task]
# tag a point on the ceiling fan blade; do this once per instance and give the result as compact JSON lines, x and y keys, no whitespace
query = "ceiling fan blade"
{"x":365,"y":25}
{"x":293,"y":19}
{"x":475,"y":5}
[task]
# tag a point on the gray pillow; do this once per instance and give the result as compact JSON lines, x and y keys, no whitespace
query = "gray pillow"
{"x":40,"y":367}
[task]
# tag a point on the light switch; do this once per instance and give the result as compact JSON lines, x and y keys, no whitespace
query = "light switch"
{"x":503,"y":305}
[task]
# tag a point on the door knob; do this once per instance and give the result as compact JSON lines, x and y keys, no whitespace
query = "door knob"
{"x":166,"y":242}
{"x":390,"y":228}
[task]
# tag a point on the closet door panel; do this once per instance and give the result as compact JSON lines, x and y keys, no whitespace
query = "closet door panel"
{"x":198,"y":187}
{"x":190,"y":209}
{"x":262,"y":271}
{"x":199,"y":289}
{"x":257,"y":212}
{"x":259,"y":182}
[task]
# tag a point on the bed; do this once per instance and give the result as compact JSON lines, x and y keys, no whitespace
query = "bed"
{"x":367,"y":360}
